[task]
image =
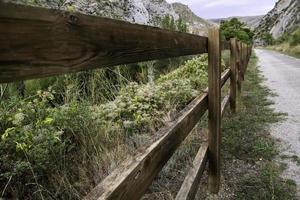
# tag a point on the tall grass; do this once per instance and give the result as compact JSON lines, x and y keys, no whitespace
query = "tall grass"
{"x":59,"y":142}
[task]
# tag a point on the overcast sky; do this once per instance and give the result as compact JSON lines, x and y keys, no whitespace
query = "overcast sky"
{"x":226,"y":8}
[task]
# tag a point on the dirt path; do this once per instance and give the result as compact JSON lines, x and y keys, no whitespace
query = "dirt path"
{"x":282,"y":75}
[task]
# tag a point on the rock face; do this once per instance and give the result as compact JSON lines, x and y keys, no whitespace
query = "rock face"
{"x":148,"y":12}
{"x":251,"y":21}
{"x":282,"y":18}
{"x":196,"y":24}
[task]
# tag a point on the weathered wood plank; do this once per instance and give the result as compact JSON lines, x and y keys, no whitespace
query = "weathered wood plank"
{"x":38,"y":42}
{"x":133,"y":177}
{"x":214,"y":108}
{"x":243,"y":61}
{"x":224,"y":104}
{"x":225,"y":76}
{"x":225,"y":45}
{"x":239,"y":66}
{"x":233,"y":75}
{"x":191,"y":182}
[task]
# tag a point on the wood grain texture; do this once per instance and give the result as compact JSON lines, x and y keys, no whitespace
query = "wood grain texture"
{"x":191,"y":182}
{"x":214,"y":108}
{"x":224,"y":104}
{"x":225,"y":76}
{"x":239,"y":66}
{"x":225,"y":45}
{"x":245,"y":62}
{"x":233,"y":75}
{"x":38,"y":42}
{"x":133,"y":177}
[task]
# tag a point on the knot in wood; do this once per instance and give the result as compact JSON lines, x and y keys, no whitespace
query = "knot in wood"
{"x":73,"y":19}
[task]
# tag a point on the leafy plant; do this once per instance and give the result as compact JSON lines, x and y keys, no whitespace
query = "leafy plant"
{"x":50,"y":149}
{"x":233,"y":28}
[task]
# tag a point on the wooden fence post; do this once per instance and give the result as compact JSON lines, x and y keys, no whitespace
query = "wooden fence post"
{"x":248,"y":55}
{"x":214,"y":108}
{"x":233,"y":74}
{"x":239,"y":67}
{"x":243,"y":60}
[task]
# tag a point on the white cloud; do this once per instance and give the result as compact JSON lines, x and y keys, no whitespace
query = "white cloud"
{"x":215,"y":3}
{"x":225,"y":8}
{"x":212,"y":3}
{"x":188,"y":2}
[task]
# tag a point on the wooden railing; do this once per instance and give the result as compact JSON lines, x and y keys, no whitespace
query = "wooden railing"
{"x":38,"y":42}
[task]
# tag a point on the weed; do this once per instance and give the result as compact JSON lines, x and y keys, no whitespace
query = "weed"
{"x":294,"y":158}
{"x":246,"y":138}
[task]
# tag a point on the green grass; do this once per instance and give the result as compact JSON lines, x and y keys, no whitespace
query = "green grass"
{"x":294,"y":158}
{"x":246,"y":138}
{"x":248,"y":150}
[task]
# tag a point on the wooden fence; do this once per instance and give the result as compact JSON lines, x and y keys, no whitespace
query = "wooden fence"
{"x":38,"y":42}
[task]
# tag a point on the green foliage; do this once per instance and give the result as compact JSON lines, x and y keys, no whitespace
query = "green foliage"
{"x":168,"y":22}
{"x":266,"y":184}
{"x":268,"y":38}
{"x":295,"y":38}
{"x":140,"y":108}
{"x":288,"y":43}
{"x":246,"y":139}
{"x":193,"y":70}
{"x":182,"y":26}
{"x":48,"y":150}
{"x":235,"y":28}
{"x":255,"y":110}
{"x":29,"y":141}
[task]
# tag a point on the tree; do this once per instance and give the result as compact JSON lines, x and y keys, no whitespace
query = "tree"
{"x":234,"y":28}
{"x":268,"y":38}
{"x":181,"y":26}
{"x":169,"y":23}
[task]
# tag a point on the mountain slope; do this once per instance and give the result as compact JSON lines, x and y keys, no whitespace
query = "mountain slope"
{"x":148,"y":12}
{"x":196,"y":24}
{"x":284,"y":17}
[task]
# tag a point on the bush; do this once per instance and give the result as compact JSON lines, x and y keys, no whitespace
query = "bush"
{"x":43,"y":147}
{"x":233,"y":28}
{"x":295,"y":38}
{"x":54,"y":151}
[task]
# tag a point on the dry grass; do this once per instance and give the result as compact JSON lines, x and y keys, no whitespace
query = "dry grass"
{"x":287,"y":49}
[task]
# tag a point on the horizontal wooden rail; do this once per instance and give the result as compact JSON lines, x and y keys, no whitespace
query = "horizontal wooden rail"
{"x":132,"y":178}
{"x":191,"y":182}
{"x":225,"y":76}
{"x":224,"y":104}
{"x":38,"y":42}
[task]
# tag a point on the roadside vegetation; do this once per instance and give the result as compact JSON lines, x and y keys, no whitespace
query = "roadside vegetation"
{"x":248,"y":143}
{"x":235,"y":28}
{"x":50,"y":150}
{"x":289,"y":43}
{"x":249,"y":169}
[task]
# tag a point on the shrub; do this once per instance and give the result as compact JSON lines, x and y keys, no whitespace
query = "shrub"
{"x":233,"y":28}
{"x":54,"y":151}
{"x":295,"y":38}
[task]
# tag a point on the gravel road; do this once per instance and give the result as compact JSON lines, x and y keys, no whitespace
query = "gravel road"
{"x":282,"y":75}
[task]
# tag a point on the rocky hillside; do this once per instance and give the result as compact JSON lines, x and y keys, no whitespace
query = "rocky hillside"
{"x":251,"y":21}
{"x":196,"y":24}
{"x":284,"y":17}
{"x":149,"y":12}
